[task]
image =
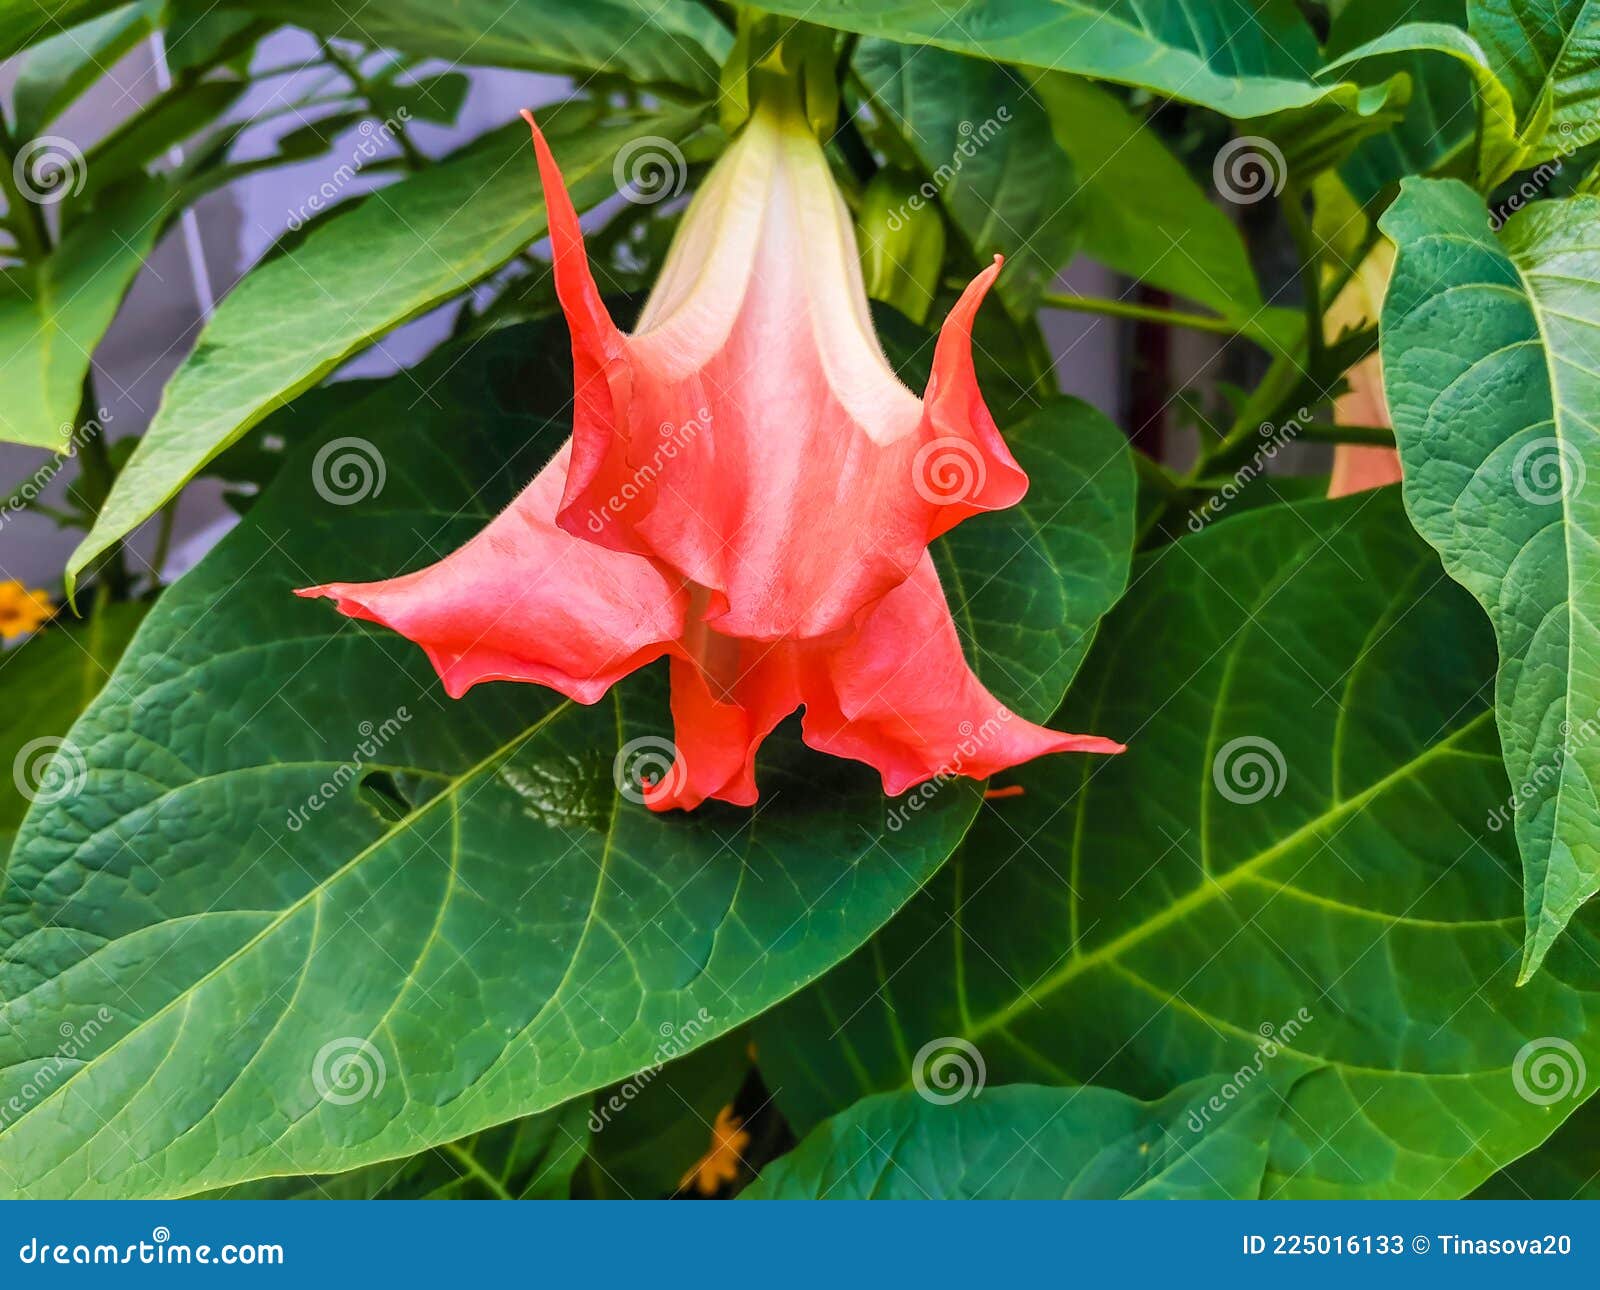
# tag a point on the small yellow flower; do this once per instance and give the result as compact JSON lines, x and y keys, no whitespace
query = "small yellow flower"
{"x":720,"y":1164}
{"x":21,"y":610}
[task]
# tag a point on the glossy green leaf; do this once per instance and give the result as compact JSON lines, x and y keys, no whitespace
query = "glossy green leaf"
{"x":1243,"y":58}
{"x":59,"y":68}
{"x":1547,"y":53}
{"x":402,"y":251}
{"x":1289,"y":879}
{"x":1144,"y":215}
{"x":1566,"y":1167}
{"x":28,"y":22}
{"x":48,"y":680}
{"x":669,"y":43}
{"x":53,"y":314}
{"x":1441,"y":121}
{"x":1029,"y":1143}
{"x":985,"y":142}
{"x":533,"y":1158}
{"x":338,"y":918}
{"x":1491,"y":350}
{"x":1501,"y":149}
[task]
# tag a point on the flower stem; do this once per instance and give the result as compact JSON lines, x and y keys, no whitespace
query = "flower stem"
{"x":1139,"y":313}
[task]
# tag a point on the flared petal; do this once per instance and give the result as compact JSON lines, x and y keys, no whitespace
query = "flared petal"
{"x":750,"y":434}
{"x":896,"y":693}
{"x":524,"y":601}
{"x":1358,"y":467}
{"x":906,"y":702}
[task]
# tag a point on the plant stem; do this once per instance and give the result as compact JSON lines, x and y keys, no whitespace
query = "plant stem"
{"x":25,"y":219}
{"x":1294,"y":213}
{"x":1331,"y":432}
{"x":95,"y":479}
{"x":1138,"y":313}
{"x":415,"y":160}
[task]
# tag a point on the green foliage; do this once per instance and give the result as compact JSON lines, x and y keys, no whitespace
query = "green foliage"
{"x":295,"y":866}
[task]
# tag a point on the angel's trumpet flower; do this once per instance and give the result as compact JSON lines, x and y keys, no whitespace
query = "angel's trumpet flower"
{"x":749,"y":490}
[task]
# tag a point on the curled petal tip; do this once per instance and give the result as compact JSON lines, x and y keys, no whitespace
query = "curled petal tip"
{"x":527,"y":115}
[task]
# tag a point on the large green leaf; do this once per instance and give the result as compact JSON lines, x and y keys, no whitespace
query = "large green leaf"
{"x":27,"y":22}
{"x":473,"y":911}
{"x":1566,"y":1167}
{"x":1441,"y":120}
{"x":528,"y":1159}
{"x":1144,"y":215}
{"x":63,"y":65}
{"x":1491,"y":352}
{"x":985,"y":140}
{"x":286,"y":326}
{"x":1547,"y":53}
{"x":53,"y":314}
{"x":1243,"y":58}
{"x":1030,"y":1143}
{"x":1287,"y":880}
{"x":669,"y":43}
{"x":47,"y":681}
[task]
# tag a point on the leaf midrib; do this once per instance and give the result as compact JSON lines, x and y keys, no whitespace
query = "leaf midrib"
{"x":313,"y":893}
{"x":1202,"y":895}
